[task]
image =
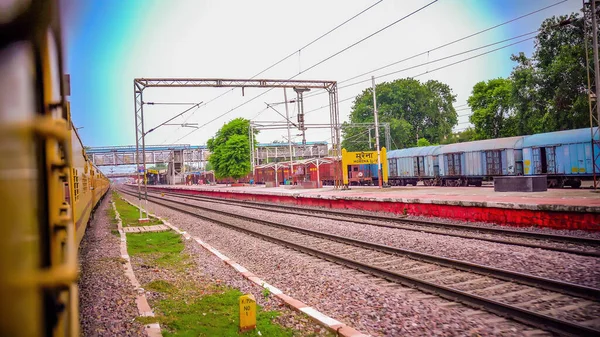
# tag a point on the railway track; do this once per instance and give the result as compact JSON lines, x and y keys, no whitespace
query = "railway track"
{"x":583,"y":246}
{"x":551,"y":305}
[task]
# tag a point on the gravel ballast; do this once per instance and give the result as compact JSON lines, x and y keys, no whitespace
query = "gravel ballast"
{"x":551,"y":264}
{"x":366,"y":303}
{"x":106,"y":297}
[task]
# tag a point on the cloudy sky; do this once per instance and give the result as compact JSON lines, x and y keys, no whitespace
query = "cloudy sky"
{"x":111,"y":42}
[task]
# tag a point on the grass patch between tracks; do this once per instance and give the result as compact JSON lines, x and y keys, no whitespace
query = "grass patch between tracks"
{"x":130,"y":215}
{"x":112,"y":218}
{"x":185,"y":305}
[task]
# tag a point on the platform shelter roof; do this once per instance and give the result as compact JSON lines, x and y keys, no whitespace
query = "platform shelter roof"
{"x":313,"y":161}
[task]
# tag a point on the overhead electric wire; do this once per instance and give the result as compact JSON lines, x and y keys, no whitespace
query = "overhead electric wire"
{"x":311,"y":67}
{"x":455,"y":41}
{"x":447,"y":44}
{"x":317,"y":39}
{"x":292,"y":54}
{"x":451,"y":56}
{"x":169,"y":103}
{"x":369,"y":36}
{"x":433,"y":61}
{"x":433,"y":70}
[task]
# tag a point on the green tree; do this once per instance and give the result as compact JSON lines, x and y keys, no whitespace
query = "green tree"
{"x":491,"y":103}
{"x":230,"y":150}
{"x":466,"y":135}
{"x":423,"y":142}
{"x":559,"y":58}
{"x":412,"y":108}
{"x":208,"y":167}
{"x":547,"y":90}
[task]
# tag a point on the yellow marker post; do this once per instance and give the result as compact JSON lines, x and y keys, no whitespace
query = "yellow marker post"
{"x":247,"y":313}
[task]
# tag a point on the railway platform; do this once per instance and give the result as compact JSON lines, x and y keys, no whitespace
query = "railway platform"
{"x":573,"y":209}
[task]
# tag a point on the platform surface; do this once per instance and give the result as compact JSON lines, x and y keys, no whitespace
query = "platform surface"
{"x":581,"y":200}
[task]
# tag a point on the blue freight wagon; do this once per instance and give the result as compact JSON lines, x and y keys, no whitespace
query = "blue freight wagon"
{"x":409,"y":166}
{"x":564,"y":156}
{"x":464,"y":164}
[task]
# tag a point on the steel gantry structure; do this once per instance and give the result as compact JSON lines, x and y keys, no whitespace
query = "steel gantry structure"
{"x":140,"y":84}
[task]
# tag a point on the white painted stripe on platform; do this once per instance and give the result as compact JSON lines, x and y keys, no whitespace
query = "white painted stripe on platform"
{"x":312,"y":312}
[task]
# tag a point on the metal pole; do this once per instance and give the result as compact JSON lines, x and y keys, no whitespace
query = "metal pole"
{"x":597,"y":82}
{"x":144,"y":160}
{"x":287,"y":118}
{"x":380,"y":180}
{"x":387,"y":136}
{"x":137,"y":94}
{"x":252,"y":164}
{"x":318,"y":175}
{"x":596,"y":62}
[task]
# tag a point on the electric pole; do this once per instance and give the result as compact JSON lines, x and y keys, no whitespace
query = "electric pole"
{"x":379,"y":171}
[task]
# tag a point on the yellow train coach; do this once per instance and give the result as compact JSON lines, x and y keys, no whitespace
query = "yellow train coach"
{"x":48,"y":188}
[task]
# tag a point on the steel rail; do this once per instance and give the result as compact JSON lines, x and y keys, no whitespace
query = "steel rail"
{"x":310,"y":212}
{"x":518,"y":314}
{"x":512,"y":276}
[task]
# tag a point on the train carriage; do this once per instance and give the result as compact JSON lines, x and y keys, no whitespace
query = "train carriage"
{"x":464,"y":164}
{"x":48,"y":185}
{"x":409,"y":166}
{"x":564,"y":156}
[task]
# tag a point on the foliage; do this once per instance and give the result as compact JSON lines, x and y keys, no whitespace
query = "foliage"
{"x":154,"y":242}
{"x":461,"y":137}
{"x":423,"y":142}
{"x":413,"y":109}
{"x":491,"y":103}
{"x":192,"y":306}
{"x":130,"y":215}
{"x":230,"y":150}
{"x":545,"y":92}
{"x":208,"y":167}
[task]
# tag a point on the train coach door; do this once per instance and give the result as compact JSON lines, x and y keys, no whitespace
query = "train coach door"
{"x":540,"y":160}
{"x":419,"y":166}
{"x":493,"y":163}
{"x":453,"y":164}
{"x":550,"y":160}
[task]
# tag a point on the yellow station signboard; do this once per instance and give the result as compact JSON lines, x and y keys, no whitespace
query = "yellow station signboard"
{"x":364,"y":157}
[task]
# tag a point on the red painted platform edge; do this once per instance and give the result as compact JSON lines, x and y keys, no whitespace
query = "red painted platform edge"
{"x":502,"y":216}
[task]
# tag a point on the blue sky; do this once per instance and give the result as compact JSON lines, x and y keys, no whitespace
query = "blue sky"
{"x":110,"y":42}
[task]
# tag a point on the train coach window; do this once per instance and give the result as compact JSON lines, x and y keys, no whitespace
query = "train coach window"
{"x":75,"y":185}
{"x":67,"y":193}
